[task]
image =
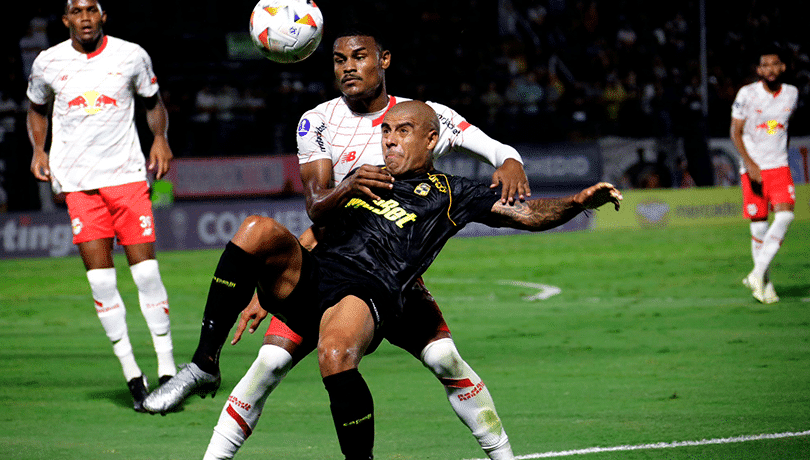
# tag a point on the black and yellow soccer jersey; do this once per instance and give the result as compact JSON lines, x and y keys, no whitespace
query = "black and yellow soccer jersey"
{"x":386,"y":244}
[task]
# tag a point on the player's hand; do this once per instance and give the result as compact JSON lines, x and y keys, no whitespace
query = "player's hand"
{"x":253,"y":311}
{"x":514,"y":180}
{"x":160,"y":156}
{"x":366,"y":179}
{"x":755,"y":177}
{"x":599,"y":194}
{"x":39,"y":166}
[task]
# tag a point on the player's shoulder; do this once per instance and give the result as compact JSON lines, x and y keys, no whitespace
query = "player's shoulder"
{"x":324,"y":108}
{"x":790,"y":89}
{"x":56,"y":51}
{"x":440,"y":108}
{"x":120,"y":45}
{"x":750,"y":88}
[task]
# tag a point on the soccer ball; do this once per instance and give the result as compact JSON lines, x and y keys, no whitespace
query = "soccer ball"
{"x":286,"y":30}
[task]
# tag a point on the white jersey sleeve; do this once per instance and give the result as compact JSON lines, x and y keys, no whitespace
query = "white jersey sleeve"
{"x":458,"y":135}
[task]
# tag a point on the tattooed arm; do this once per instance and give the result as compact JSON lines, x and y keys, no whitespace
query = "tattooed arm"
{"x":545,"y":213}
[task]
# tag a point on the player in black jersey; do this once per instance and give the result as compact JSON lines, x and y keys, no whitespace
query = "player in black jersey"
{"x":341,"y":296}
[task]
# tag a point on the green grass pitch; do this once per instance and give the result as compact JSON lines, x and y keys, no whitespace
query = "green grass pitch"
{"x":652,"y":339}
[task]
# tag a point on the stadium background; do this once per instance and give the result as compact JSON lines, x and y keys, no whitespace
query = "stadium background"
{"x":536,"y":73}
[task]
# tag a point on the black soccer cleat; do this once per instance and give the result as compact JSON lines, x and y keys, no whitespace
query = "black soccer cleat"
{"x":139,"y":390}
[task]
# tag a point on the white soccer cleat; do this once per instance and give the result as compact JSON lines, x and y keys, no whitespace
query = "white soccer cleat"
{"x":757,"y":286}
{"x":190,"y":380}
{"x":769,"y":294}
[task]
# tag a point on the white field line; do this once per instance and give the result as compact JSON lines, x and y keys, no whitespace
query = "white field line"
{"x":544,"y":291}
{"x":662,"y":445}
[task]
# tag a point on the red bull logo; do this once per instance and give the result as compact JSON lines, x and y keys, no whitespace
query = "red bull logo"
{"x":92,"y":102}
{"x":772,"y":126}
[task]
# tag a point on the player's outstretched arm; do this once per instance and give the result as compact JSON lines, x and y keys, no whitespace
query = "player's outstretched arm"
{"x":545,"y":213}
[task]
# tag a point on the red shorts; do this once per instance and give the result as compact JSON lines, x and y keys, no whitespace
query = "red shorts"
{"x":123,"y":211}
{"x":777,"y":187}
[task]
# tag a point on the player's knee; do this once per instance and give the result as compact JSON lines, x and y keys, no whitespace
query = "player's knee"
{"x":337,"y":355}
{"x":274,"y":360}
{"x":146,"y":275}
{"x":103,"y":283}
{"x":783,"y":218}
{"x":259,"y":227}
{"x":442,"y":358}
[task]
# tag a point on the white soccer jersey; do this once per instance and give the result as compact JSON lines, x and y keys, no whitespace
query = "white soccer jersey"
{"x":332,"y":131}
{"x":94,"y":142}
{"x":766,"y":116}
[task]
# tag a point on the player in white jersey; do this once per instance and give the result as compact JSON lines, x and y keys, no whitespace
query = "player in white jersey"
{"x":95,"y":158}
{"x":759,"y":130}
{"x":333,"y":139}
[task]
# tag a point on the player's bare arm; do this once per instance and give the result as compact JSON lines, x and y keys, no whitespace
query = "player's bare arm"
{"x":160,"y":155}
{"x":513,"y":178}
{"x":322,"y":198}
{"x":545,"y":213}
{"x":37,"y":124}
{"x":736,"y":133}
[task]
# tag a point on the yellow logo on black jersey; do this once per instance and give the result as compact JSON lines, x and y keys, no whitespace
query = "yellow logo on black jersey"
{"x":422,"y":189}
{"x":389,"y":209}
{"x":435,"y":179}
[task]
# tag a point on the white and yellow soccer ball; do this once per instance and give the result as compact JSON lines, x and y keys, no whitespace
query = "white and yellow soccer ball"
{"x":286,"y":30}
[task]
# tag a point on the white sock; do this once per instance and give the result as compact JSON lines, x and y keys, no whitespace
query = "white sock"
{"x":241,"y":413}
{"x":155,"y":308}
{"x":469,"y":397}
{"x":772,"y":242}
{"x":113,"y":316}
{"x":758,"y":230}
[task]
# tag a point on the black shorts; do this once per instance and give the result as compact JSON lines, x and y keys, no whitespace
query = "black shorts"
{"x":323,"y":284}
{"x":420,"y":322}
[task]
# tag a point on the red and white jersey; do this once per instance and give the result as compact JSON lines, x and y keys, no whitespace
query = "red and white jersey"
{"x":766,"y":115}
{"x":332,"y":131}
{"x":94,"y":143}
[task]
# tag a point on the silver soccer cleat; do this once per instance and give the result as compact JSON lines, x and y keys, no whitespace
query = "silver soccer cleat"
{"x":190,"y":380}
{"x":757,"y":286}
{"x":769,"y":294}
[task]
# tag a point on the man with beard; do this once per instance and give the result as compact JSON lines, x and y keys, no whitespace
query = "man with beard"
{"x":759,"y":130}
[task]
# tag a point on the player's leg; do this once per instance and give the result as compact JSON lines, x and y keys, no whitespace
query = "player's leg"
{"x":133,"y":222}
{"x":282,"y":349}
{"x":154,"y":302}
{"x":755,"y":209}
{"x":347,"y":330}
{"x":778,"y":185}
{"x":93,"y":234}
{"x":97,"y":257}
{"x":261,"y":247}
{"x":424,"y":333}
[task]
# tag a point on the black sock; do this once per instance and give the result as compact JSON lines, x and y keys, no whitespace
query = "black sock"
{"x":231,"y":290}
{"x":353,"y":413}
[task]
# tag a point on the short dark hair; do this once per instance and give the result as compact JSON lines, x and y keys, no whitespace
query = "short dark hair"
{"x":70,"y":2}
{"x":768,"y":49}
{"x":363,"y":30}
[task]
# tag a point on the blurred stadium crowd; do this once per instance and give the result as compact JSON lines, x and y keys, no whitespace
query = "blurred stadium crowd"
{"x":524,"y":71}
